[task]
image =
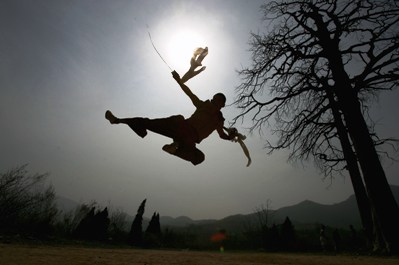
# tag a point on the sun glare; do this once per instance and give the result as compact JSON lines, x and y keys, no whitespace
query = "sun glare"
{"x":181,"y":45}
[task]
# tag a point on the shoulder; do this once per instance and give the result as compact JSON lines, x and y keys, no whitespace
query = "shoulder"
{"x":203,"y":104}
{"x":221,"y":118}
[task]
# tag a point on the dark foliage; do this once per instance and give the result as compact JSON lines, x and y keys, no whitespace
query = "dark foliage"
{"x":93,"y":226}
{"x":89,"y":224}
{"x":154,"y":227}
{"x":27,"y":204}
{"x":136,"y":231}
{"x":287,"y":237}
{"x":153,"y":234}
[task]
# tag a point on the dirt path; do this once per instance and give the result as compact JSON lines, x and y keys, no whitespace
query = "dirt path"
{"x":49,"y":255}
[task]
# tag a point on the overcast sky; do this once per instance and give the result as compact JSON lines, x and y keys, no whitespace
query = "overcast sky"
{"x":64,"y":63}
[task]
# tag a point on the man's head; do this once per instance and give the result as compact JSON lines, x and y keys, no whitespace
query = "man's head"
{"x":219,"y":100}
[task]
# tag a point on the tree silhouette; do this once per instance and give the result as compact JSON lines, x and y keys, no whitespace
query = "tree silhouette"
{"x":100,"y":225}
{"x":118,"y":223}
{"x":321,"y":58}
{"x":136,"y":231}
{"x":154,"y":227}
{"x":273,"y":239}
{"x":84,"y":228}
{"x":153,"y":232}
{"x":94,"y":226}
{"x":27,"y":203}
{"x":287,"y":235}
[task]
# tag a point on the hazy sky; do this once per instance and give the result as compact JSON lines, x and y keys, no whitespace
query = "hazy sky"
{"x":63,"y":63}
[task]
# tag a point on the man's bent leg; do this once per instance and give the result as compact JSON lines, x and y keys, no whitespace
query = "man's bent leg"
{"x":194,"y":155}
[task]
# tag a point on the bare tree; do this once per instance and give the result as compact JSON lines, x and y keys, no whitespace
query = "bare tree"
{"x":263,"y":215}
{"x":27,"y":204}
{"x":322,"y":55}
{"x":119,"y":225}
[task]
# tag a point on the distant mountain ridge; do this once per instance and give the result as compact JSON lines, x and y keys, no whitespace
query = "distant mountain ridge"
{"x":340,"y":214}
{"x":305,"y":213}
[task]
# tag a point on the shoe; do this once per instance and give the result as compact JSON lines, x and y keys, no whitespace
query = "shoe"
{"x":170,"y":148}
{"x":110,"y":117}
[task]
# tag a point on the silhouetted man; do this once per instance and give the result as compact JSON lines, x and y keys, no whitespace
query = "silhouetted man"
{"x":186,"y":133}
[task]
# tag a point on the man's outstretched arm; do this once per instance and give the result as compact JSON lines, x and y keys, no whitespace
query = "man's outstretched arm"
{"x":224,"y":135}
{"x":196,"y":101}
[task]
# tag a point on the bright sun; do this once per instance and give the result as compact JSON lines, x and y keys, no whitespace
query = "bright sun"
{"x":180,"y":47}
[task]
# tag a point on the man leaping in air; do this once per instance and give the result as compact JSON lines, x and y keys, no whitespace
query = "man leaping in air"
{"x":186,"y":133}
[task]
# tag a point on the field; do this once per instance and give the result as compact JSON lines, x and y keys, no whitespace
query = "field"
{"x":11,"y":254}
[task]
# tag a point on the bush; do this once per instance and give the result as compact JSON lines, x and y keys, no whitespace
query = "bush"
{"x":27,"y":204}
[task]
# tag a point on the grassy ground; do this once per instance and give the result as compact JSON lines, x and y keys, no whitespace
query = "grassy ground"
{"x":19,"y":254}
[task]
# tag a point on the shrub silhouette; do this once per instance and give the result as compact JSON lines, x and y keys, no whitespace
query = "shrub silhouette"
{"x":153,"y":234}
{"x":27,"y":204}
{"x":136,"y":231}
{"x":94,"y":226}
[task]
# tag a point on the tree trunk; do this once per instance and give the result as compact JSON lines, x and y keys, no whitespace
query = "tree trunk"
{"x":382,"y":201}
{"x":354,"y":172}
{"x":380,"y":194}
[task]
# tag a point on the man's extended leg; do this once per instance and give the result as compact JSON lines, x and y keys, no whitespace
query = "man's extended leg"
{"x":169,"y":127}
{"x":134,"y":123}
